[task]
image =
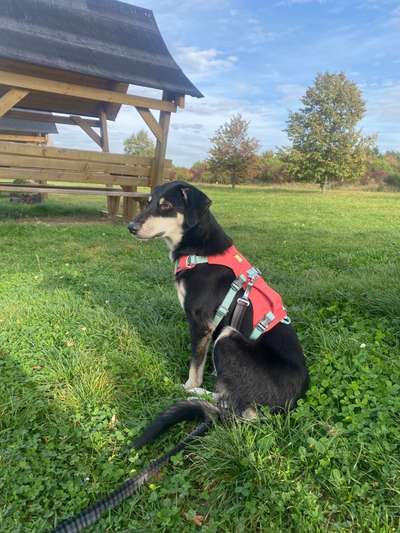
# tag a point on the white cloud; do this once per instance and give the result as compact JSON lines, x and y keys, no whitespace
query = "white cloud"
{"x":257,"y":34}
{"x":186,"y":5}
{"x":394,"y":19}
{"x":383,"y":113}
{"x":202,"y":64}
{"x":294,"y":2}
{"x":290,"y":94}
{"x":195,"y":127}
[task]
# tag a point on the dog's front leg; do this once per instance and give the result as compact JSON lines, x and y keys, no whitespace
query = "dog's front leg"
{"x":201,"y":338}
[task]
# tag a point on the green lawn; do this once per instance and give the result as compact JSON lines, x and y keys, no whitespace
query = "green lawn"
{"x":93,"y":343}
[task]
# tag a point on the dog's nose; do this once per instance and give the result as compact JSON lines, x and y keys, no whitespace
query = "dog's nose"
{"x":133,"y":227}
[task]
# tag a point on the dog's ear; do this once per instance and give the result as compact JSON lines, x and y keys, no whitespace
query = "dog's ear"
{"x":196,"y":203}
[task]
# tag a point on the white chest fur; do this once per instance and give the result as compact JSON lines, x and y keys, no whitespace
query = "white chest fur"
{"x":181,"y":290}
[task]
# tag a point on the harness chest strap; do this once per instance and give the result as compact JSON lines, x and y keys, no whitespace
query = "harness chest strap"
{"x":267,"y":305}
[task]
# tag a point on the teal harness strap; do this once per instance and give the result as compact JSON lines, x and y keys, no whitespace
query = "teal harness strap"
{"x":242,"y":303}
{"x":193,"y":260}
{"x":262,"y":326}
{"x":223,"y":309}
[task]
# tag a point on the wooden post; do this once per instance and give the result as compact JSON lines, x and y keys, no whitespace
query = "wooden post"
{"x":112,"y":201}
{"x":129,"y":205}
{"x":104,"y":131}
{"x":157,"y":171}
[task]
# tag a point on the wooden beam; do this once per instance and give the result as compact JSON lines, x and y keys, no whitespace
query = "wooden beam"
{"x":68,"y":153}
{"x":71,"y":190}
{"x":12,"y":97}
{"x":157,"y":171}
{"x":152,"y":123}
{"x":99,"y":178}
{"x":105,"y":142}
{"x":78,"y":166}
{"x":180,"y":101}
{"x":112,"y":203}
{"x":48,"y":118}
{"x":36,"y":139}
{"x":87,"y":129}
{"x":80,"y":91}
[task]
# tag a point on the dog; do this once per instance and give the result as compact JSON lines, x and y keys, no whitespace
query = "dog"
{"x":270,"y":371}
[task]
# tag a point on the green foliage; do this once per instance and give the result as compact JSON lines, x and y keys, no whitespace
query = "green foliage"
{"x":139,"y":144}
{"x":326,"y":146}
{"x":93,"y":344}
{"x":233,"y":152}
{"x":272,"y":169}
{"x":200,"y":172}
{"x":179,"y":173}
{"x":393,"y":180}
{"x":382,"y":168}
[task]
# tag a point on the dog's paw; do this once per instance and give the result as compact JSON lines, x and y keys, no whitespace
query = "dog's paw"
{"x":199,"y":391}
{"x":190,"y":385}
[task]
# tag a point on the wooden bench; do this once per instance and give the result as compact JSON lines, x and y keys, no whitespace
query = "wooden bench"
{"x":42,"y":164}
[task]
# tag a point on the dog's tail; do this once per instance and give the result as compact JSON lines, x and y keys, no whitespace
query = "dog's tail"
{"x":183,"y":410}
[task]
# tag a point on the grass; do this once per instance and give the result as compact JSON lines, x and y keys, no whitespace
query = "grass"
{"x":93,"y":344}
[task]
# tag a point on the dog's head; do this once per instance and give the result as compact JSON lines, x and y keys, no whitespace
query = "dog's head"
{"x":171,"y":210}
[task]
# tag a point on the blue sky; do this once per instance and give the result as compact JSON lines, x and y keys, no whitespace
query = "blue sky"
{"x":258,"y":57}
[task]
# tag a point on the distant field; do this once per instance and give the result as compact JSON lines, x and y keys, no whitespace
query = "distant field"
{"x":93,"y":343}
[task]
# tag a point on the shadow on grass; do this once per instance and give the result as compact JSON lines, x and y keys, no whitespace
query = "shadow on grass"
{"x":48,"y":457}
{"x":49,"y":210}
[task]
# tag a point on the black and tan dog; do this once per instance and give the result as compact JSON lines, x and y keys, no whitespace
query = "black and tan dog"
{"x":270,"y":371}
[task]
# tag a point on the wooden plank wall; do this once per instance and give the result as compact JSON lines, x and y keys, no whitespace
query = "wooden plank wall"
{"x":61,"y":164}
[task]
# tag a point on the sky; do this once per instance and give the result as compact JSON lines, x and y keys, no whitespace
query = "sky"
{"x":258,"y":57}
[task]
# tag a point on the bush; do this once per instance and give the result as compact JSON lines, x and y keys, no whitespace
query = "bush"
{"x":271,"y":168}
{"x":393,"y":180}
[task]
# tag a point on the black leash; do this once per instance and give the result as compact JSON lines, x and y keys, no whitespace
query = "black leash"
{"x":91,"y":514}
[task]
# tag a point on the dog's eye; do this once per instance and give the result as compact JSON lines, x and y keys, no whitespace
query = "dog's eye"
{"x":165,"y":206}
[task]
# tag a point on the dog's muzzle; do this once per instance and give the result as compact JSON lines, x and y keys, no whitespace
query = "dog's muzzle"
{"x":134,"y":227}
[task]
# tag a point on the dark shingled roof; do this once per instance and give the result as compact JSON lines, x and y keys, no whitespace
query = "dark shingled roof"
{"x":102,"y":38}
{"x":28,"y":127}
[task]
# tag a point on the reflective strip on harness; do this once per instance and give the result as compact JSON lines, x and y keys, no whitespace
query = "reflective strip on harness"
{"x":223,"y":309}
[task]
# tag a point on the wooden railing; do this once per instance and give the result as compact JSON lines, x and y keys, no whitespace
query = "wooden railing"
{"x":42,"y":164}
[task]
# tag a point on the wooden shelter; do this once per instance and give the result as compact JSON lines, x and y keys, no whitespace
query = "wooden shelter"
{"x":76,"y":59}
{"x":26,"y":130}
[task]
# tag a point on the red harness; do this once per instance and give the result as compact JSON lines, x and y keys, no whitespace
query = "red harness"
{"x":267,"y":304}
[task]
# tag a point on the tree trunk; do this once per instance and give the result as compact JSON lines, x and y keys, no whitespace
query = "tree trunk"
{"x":324,"y":185}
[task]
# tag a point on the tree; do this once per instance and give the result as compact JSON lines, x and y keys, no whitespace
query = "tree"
{"x":139,"y":144}
{"x":326,"y":146}
{"x":233,"y":152}
{"x":200,"y":171}
{"x":271,"y":168}
{"x":179,"y":173}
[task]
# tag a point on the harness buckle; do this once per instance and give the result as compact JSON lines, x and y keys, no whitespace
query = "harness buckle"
{"x":262,"y":328}
{"x":253,"y":272}
{"x":237,"y":284}
{"x":243,"y":301}
{"x":189,"y":261}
